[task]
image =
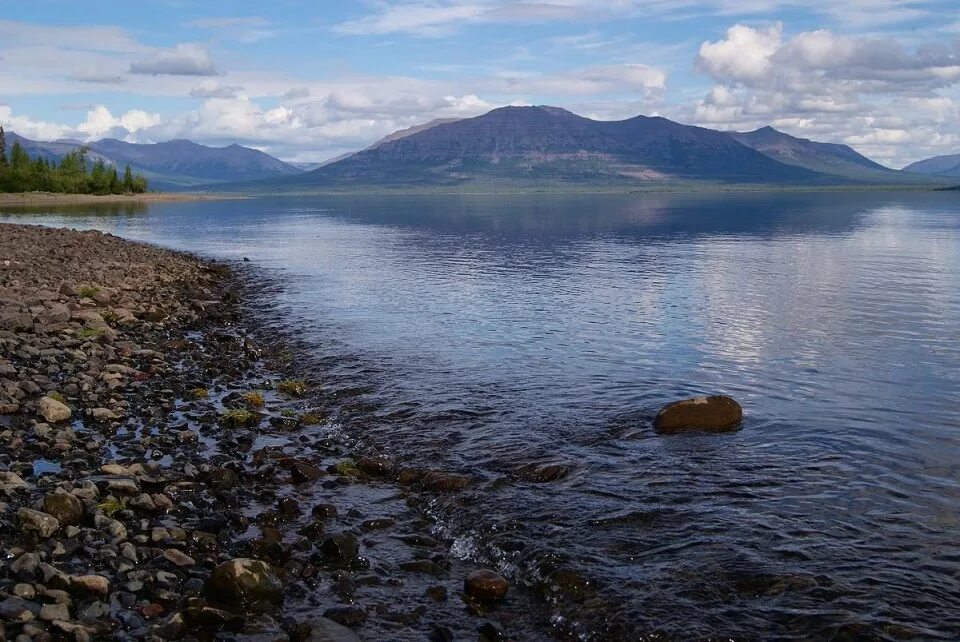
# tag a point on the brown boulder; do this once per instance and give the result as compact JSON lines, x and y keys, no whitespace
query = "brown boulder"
{"x":716,"y":413}
{"x":485,"y":585}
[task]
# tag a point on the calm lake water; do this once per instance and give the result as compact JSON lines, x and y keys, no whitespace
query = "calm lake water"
{"x":486,"y":334}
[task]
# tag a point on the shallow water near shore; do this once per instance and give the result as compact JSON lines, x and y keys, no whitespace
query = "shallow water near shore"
{"x":493,"y":334}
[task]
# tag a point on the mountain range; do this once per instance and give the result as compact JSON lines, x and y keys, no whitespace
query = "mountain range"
{"x":945,"y":166}
{"x":520,"y":147}
{"x":547,"y":146}
{"x":176,"y":164}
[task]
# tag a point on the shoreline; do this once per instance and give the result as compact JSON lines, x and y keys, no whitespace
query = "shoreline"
{"x":51,"y":198}
{"x":194,"y":482}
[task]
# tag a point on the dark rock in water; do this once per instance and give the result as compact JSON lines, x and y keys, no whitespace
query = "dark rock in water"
{"x":324,"y":510}
{"x":716,"y":413}
{"x":66,"y":508}
{"x":324,"y":630}
{"x":241,"y":580}
{"x":490,"y":632}
{"x":342,"y":547}
{"x":441,"y":634}
{"x":438,"y":481}
{"x":302,"y":472}
{"x":484,"y":584}
{"x":349,"y":615}
{"x":547,"y":473}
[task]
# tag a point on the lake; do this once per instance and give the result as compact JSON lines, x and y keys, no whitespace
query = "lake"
{"x":494,"y":334}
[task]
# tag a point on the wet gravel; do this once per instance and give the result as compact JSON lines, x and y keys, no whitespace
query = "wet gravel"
{"x":163,"y":475}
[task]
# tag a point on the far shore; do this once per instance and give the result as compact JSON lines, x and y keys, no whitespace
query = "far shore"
{"x":50,"y":198}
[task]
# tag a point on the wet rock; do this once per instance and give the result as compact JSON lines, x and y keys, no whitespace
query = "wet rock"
{"x":324,"y":510}
{"x":444,"y":482}
{"x":51,"y":612}
{"x":716,"y":413}
{"x":437,"y":593}
{"x":241,"y":580}
{"x":440,"y":634}
{"x":428,"y":567}
{"x":33,"y":520}
{"x":302,"y":472}
{"x":53,"y":411}
{"x":349,"y":615}
{"x":89,"y":584}
{"x":26,"y":565}
{"x":544,"y":474}
{"x":490,"y":632}
{"x":178,"y":558}
{"x":377,"y":524}
{"x":15,"y":609}
{"x":66,"y":508}
{"x":324,"y":630}
{"x":342,"y":547}
{"x":10,"y":481}
{"x":485,"y":585}
{"x":103,"y":414}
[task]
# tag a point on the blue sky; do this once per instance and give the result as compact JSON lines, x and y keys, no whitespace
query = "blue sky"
{"x":310,"y":80}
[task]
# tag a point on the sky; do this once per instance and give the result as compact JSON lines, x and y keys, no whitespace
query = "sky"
{"x":310,"y":80}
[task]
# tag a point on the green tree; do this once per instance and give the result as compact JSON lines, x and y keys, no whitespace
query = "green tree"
{"x":3,"y":148}
{"x":127,"y":180}
{"x":115,"y":186}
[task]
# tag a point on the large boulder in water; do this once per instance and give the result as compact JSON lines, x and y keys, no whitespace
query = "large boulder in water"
{"x":717,"y":413}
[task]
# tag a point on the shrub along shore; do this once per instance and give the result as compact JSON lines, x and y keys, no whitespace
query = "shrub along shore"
{"x":164,"y":476}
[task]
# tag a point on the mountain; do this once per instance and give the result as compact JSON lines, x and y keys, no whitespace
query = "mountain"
{"x":410,"y":131}
{"x":541,"y":145}
{"x":948,"y":166}
{"x":825,"y":158}
{"x":171,"y":165}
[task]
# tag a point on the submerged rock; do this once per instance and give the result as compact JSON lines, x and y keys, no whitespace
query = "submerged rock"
{"x":326,"y":630}
{"x":486,"y":585}
{"x":715,"y":413}
{"x":242,"y":580}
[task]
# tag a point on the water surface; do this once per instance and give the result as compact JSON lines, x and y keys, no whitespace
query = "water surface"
{"x":489,"y":334}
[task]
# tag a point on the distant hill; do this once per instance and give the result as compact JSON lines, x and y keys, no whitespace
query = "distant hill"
{"x":171,"y":165}
{"x":947,"y":166}
{"x":538,"y":145}
{"x":825,"y":158}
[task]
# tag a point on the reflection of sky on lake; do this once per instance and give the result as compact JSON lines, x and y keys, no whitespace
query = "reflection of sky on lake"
{"x":502,"y":330}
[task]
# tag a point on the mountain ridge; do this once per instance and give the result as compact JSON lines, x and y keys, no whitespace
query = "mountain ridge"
{"x":542,"y":143}
{"x":172,"y":164}
{"x":946,"y":165}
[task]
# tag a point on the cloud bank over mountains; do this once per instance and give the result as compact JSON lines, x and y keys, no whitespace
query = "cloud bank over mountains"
{"x":857,"y":74}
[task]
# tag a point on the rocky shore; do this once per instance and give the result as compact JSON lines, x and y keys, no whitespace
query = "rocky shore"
{"x":164,"y":476}
{"x":51,"y":198}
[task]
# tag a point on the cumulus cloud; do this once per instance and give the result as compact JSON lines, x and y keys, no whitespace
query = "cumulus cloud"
{"x":98,"y":123}
{"x":871,"y":92}
{"x":185,"y":59}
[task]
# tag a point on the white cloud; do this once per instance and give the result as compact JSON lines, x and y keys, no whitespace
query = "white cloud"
{"x":744,"y":55}
{"x":635,"y":79}
{"x":185,"y":59}
{"x":211,"y":89}
{"x":443,"y":17}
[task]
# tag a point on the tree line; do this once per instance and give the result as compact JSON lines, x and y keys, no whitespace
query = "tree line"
{"x":71,"y":175}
